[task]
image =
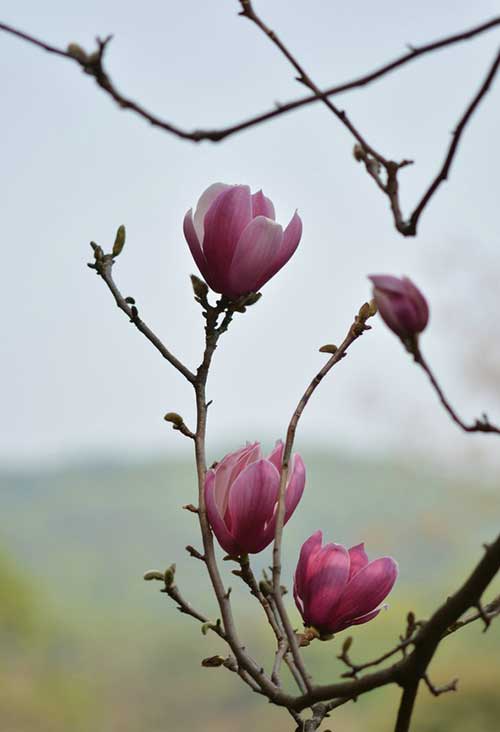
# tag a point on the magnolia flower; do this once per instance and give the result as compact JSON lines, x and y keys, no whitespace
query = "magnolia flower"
{"x":401,"y":304}
{"x":335,"y":587}
{"x":235,"y":241}
{"x":241,"y":494}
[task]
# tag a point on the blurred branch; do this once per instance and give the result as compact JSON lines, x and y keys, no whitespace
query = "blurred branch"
{"x":93,"y":65}
{"x":374,"y":161}
{"x":479,"y":425}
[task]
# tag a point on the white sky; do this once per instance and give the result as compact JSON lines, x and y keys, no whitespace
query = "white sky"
{"x":78,"y":380}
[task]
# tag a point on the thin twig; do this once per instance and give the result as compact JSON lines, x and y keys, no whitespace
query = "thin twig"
{"x":357,"y":328}
{"x":103,"y":265}
{"x":438,"y":690}
{"x":479,"y":425}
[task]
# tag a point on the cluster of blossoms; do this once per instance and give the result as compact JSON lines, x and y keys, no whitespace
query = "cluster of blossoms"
{"x":238,"y":246}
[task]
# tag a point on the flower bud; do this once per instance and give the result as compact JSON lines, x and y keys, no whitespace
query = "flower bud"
{"x":235,"y":240}
{"x":401,"y":304}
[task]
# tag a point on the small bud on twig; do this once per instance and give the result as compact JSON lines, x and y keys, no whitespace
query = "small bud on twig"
{"x":175,"y":418}
{"x":200,"y":288}
{"x":77,"y":53}
{"x":213,"y":661}
{"x":119,"y":241}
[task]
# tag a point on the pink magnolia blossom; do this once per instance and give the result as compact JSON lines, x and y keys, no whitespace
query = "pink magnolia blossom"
{"x":335,"y":587}
{"x":235,"y":241}
{"x":401,"y":304}
{"x":241,"y":495}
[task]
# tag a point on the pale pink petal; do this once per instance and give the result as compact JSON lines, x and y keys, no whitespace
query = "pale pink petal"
{"x":224,"y":537}
{"x":262,"y":206}
{"x":252,"y":499}
{"x":204,"y":203}
{"x":257,"y":247}
{"x":225,"y":220}
{"x":309,"y":549}
{"x":194,"y":244}
{"x":359,"y":559}
{"x":389,"y":283}
{"x":276,"y":456}
{"x":291,"y":239}
{"x":327,"y":576}
{"x":367,"y":589}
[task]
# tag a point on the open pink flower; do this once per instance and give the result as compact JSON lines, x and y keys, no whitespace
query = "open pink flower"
{"x":235,"y":241}
{"x":335,"y":587}
{"x":241,"y":495}
{"x":401,"y":304}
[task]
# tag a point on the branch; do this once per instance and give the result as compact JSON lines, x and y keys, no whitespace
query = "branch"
{"x":217,"y":135}
{"x":103,"y":265}
{"x":479,"y":425}
{"x":374,"y":161}
{"x":357,"y":328}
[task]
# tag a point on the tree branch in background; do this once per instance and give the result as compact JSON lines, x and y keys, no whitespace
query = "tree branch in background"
{"x":375,"y":162}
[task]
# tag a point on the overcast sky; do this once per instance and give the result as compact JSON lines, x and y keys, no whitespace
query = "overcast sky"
{"x":77,"y":379}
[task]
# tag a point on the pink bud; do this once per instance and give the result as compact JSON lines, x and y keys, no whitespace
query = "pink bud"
{"x":241,"y":494}
{"x":335,"y":587}
{"x":401,"y":304}
{"x":235,"y":241}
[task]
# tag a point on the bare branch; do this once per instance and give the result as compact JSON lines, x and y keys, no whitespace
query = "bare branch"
{"x":479,"y":425}
{"x":103,"y":265}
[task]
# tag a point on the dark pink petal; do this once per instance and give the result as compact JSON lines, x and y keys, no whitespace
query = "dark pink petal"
{"x":367,"y":589}
{"x":291,"y":239}
{"x":204,"y":203}
{"x":295,"y":487}
{"x":194,"y":244}
{"x":225,"y":221}
{"x":252,"y":499}
{"x":224,"y":537}
{"x":309,"y":549}
{"x":358,"y":621}
{"x":262,"y":206}
{"x":420,"y":302}
{"x":388,"y":283}
{"x":359,"y":559}
{"x":257,"y":247}
{"x":327,"y":575}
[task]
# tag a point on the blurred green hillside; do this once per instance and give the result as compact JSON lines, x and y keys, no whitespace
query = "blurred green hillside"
{"x":88,"y":646}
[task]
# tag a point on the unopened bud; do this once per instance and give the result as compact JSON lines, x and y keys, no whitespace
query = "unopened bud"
{"x":358,"y":152}
{"x":169,"y":575}
{"x":98,"y":251}
{"x":213,"y":661}
{"x":77,"y":52}
{"x":401,"y":305}
{"x":119,"y":241}
{"x":200,"y":288}
{"x":252,"y":298}
{"x":347,"y":644}
{"x":154,"y":574}
{"x":328,"y":348}
{"x":175,"y":418}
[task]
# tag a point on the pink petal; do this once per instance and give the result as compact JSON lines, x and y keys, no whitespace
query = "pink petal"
{"x":295,"y":487}
{"x":252,"y":499}
{"x":205,"y":201}
{"x":225,"y":220}
{"x":389,"y":283}
{"x":276,"y":456}
{"x":327,"y":575}
{"x":367,"y":589}
{"x":421,"y":304}
{"x":262,"y":206}
{"x":309,"y":549}
{"x":228,"y":469}
{"x":359,"y":621}
{"x":224,"y":538}
{"x":291,"y":239}
{"x":359,"y":559}
{"x":194,"y":244}
{"x":257,"y":247}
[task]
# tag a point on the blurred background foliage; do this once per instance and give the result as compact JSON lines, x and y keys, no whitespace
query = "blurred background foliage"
{"x":87,"y":645}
